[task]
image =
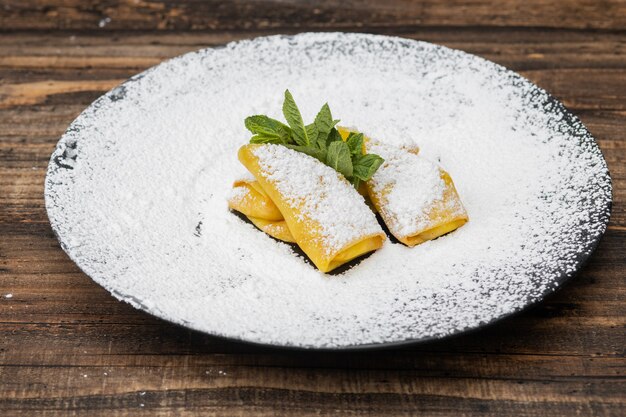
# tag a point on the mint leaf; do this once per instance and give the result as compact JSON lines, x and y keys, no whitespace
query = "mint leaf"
{"x":366,"y":165}
{"x":266,"y":139}
{"x":262,"y":124}
{"x":355,"y":143}
{"x":333,"y":136}
{"x":338,"y":158}
{"x":311,"y":131}
{"x":294,"y":118}
{"x":324,"y":120}
{"x":324,"y":123}
{"x":268,"y":127}
{"x":319,"y":154}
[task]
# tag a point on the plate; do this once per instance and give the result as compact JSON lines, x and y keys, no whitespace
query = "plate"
{"x":136,"y":192}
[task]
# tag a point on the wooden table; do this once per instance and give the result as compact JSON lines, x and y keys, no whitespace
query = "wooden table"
{"x":69,"y":348}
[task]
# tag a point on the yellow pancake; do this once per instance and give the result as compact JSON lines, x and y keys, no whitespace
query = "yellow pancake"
{"x":439,"y":212}
{"x":355,"y":230}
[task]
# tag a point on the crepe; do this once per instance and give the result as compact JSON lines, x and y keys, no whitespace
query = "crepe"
{"x":416,"y":199}
{"x":326,"y":216}
{"x":276,"y":229}
{"x":249,"y":199}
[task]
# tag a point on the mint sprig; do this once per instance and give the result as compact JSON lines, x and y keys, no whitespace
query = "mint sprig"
{"x":294,"y":118}
{"x":319,"y":139}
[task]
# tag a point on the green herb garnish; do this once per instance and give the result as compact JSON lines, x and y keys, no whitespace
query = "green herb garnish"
{"x":319,"y":139}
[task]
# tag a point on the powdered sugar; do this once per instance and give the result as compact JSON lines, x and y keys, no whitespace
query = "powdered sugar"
{"x":239,"y":193}
{"x":411,"y":184}
{"x":320,"y":194}
{"x":137,"y":191}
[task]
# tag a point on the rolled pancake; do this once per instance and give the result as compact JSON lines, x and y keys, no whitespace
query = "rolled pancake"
{"x":249,"y":199}
{"x":416,"y":199}
{"x":276,"y":229}
{"x":327,"y":217}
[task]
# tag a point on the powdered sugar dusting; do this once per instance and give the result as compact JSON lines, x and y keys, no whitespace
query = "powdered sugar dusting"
{"x":320,"y":194}
{"x":410,"y":185}
{"x":137,"y":191}
{"x":239,"y":193}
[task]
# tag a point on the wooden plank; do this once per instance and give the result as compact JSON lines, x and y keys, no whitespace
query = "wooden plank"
{"x":246,"y":401}
{"x":518,"y":49}
{"x":295,"y":14}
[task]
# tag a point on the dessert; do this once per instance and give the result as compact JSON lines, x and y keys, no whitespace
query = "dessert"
{"x":319,"y":186}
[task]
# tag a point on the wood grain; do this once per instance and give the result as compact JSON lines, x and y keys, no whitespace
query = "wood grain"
{"x":68,"y":348}
{"x":296,"y":14}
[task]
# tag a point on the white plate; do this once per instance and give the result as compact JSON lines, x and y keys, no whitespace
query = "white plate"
{"x":136,"y":192}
